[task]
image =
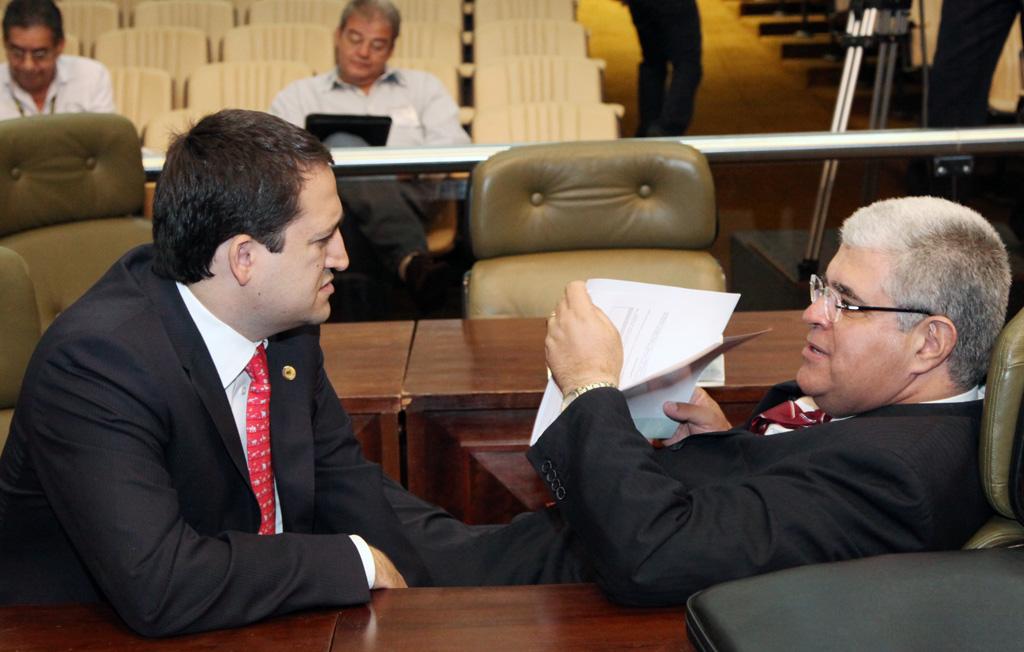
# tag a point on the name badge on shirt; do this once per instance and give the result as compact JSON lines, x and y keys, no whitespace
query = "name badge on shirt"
{"x":405,"y":117}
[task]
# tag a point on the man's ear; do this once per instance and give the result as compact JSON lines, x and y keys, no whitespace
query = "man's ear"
{"x":242,"y":255}
{"x":935,"y":337}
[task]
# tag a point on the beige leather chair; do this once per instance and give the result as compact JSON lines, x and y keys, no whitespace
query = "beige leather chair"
{"x":436,"y":41}
{"x":19,"y":332}
{"x":310,"y":44}
{"x":213,"y":17}
{"x":241,"y":85}
{"x":275,"y":12}
{"x":431,"y":11}
{"x":521,"y":79}
{"x":546,"y":122}
{"x":932,"y":17}
{"x":1000,"y":430}
{"x":489,"y":11}
{"x":87,"y":19}
{"x":1004,"y":94}
{"x":68,"y":183}
{"x":178,"y":50}
{"x":514,"y":38}
{"x":163,"y":126}
{"x":544,"y":215}
{"x":141,"y":93}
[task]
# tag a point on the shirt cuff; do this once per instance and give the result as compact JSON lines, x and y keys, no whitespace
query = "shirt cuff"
{"x":366,"y":557}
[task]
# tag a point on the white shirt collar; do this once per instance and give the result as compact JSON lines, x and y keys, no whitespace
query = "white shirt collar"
{"x":389,"y":75}
{"x":975,"y":393}
{"x":230,"y":350}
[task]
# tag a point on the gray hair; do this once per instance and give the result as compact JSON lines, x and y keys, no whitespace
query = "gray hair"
{"x":946,"y":259}
{"x":374,"y":8}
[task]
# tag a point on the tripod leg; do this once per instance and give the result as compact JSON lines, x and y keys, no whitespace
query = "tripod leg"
{"x":840,"y":119}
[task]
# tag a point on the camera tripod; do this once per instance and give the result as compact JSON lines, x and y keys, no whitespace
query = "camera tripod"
{"x":869,"y":21}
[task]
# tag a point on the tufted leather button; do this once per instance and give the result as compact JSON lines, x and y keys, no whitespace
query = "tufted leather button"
{"x":536,"y":199}
{"x":546,"y":466}
{"x":15,"y":173}
{"x":90,"y":162}
{"x":644,"y":191}
{"x":560,"y":493}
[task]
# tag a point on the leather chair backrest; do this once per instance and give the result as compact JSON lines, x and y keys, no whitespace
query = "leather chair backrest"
{"x":430,"y":11}
{"x":519,"y":80}
{"x":545,"y":122}
{"x":592,"y":195}
{"x":241,"y":85}
{"x":67,"y":181}
{"x":1006,"y":88}
{"x":310,"y":44}
{"x":141,"y":93}
{"x":543,"y":215}
{"x":213,"y":17}
{"x":274,"y":12}
{"x":87,"y":19}
{"x":489,"y":11}
{"x":1002,"y":423}
{"x":514,"y":38}
{"x":19,"y":326}
{"x":178,"y":50}
{"x":439,"y":41}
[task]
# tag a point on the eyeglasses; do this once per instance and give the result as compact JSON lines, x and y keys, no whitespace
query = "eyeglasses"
{"x":835,"y":306}
{"x":39,"y":55}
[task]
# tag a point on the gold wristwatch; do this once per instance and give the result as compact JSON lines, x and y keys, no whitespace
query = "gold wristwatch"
{"x":580,"y":391}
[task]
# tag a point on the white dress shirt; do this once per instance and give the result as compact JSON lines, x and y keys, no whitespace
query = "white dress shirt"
{"x":231,"y":352}
{"x":80,"y":85}
{"x":421,"y":111}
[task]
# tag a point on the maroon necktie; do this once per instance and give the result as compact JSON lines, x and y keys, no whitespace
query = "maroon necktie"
{"x":257,"y":435}
{"x":789,"y":415}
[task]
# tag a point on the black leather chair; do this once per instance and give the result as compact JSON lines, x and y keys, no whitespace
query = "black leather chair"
{"x":959,"y":600}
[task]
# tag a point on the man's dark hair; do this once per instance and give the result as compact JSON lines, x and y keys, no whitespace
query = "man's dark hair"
{"x":234,"y":172}
{"x":30,"y":13}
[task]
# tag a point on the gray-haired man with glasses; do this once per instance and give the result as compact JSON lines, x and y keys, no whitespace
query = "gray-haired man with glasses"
{"x":38,"y":77}
{"x":873,"y":448}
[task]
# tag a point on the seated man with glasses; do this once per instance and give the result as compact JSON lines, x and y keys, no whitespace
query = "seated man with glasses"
{"x":873,"y":449}
{"x":38,"y":78}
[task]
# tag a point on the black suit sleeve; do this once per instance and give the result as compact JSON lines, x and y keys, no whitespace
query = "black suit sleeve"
{"x":654,"y":539}
{"x":100,"y":439}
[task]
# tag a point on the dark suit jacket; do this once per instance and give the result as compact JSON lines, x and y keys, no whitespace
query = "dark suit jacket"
{"x":661,"y":524}
{"x":124,"y":476}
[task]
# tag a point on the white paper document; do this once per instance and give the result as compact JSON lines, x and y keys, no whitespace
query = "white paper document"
{"x":670,"y":336}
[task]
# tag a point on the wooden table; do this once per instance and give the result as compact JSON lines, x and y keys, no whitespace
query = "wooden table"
{"x":566,"y":617}
{"x":473,"y":388}
{"x":366,"y":364}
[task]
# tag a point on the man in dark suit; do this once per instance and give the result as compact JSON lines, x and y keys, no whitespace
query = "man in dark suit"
{"x":900,"y":331}
{"x":139,"y":469}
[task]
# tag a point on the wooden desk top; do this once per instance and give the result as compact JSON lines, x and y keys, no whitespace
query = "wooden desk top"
{"x":366,"y":363}
{"x":565,"y":617}
{"x":499,"y":363}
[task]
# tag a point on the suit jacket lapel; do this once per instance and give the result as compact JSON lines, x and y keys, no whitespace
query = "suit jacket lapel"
{"x":291,"y":436}
{"x":196,"y":361}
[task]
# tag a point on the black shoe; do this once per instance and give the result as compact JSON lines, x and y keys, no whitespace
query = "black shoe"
{"x":427,"y":281}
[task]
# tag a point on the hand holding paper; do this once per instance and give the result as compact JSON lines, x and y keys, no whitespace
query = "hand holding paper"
{"x":669,"y":336}
{"x":699,"y":415}
{"x":582,"y":345}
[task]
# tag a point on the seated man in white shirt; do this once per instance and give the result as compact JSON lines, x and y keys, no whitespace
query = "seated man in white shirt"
{"x":38,"y":78}
{"x":422,"y":114}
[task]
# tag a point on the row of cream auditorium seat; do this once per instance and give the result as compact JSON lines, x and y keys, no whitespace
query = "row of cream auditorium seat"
{"x":452,"y":12}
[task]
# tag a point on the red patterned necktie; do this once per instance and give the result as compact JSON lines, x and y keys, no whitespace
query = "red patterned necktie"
{"x":257,"y":435}
{"x":789,"y":415}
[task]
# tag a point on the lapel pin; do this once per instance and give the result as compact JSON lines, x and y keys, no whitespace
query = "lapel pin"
{"x":288,"y":372}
